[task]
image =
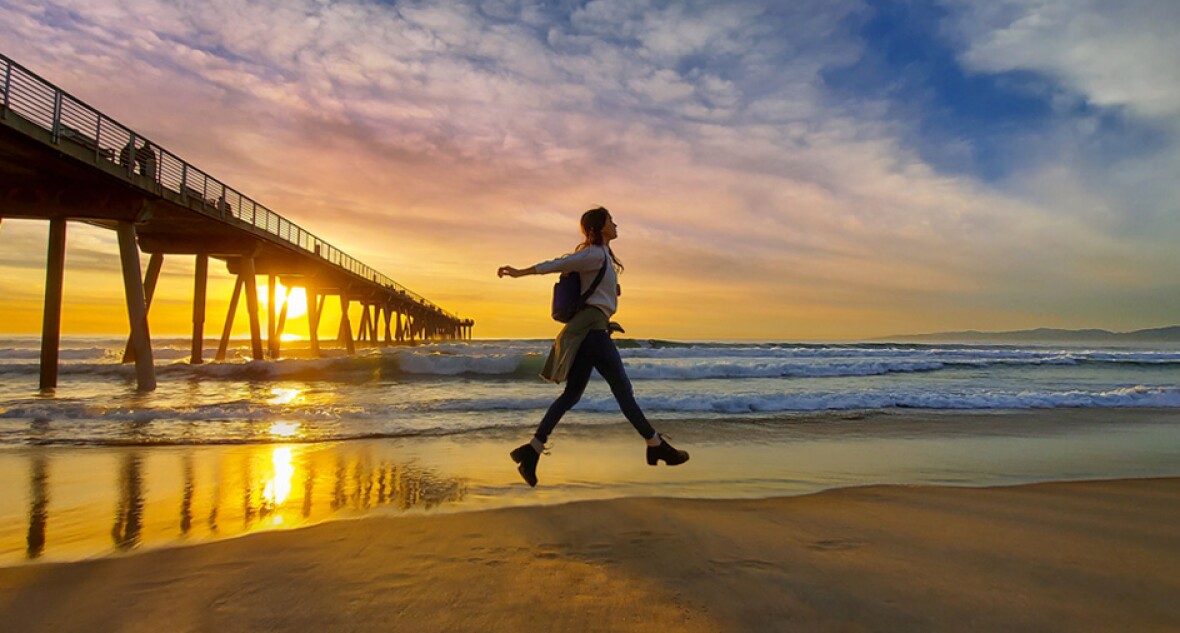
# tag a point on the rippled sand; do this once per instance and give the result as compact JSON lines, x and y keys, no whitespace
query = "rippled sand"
{"x":1098,"y":555}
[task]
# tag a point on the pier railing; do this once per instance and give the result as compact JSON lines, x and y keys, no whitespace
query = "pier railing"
{"x":70,"y":120}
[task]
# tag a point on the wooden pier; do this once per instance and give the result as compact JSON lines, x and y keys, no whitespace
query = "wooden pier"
{"x":62,"y":160}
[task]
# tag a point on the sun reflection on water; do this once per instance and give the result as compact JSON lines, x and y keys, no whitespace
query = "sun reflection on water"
{"x":162,"y":496}
{"x":284,"y":430}
{"x":283,"y":396}
{"x":278,"y":488}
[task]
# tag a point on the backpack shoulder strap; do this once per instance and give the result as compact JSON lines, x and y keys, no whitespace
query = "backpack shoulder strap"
{"x":597,"y":279}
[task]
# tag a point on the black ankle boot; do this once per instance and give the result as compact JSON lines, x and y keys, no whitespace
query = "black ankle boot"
{"x":527,"y":457}
{"x":664,"y":451}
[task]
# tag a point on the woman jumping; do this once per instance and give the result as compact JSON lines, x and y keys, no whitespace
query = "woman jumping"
{"x":585,"y":344}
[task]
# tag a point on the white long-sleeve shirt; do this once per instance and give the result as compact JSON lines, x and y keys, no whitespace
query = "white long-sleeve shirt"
{"x":587,"y":262}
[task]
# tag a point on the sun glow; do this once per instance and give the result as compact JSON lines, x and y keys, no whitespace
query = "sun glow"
{"x":285,"y":430}
{"x":296,"y":302}
{"x":282,"y":396}
{"x":279,"y":487}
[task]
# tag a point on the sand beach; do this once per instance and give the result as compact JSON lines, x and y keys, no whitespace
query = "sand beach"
{"x":1070,"y":556}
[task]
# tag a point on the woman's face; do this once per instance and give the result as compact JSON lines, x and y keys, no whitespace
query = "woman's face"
{"x":610,"y":230}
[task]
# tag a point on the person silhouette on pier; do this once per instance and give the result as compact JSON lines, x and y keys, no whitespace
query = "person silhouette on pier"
{"x":585,"y":344}
{"x":127,"y":154}
{"x":144,"y":156}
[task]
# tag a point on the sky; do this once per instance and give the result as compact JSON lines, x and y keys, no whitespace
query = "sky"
{"x":812,"y":169}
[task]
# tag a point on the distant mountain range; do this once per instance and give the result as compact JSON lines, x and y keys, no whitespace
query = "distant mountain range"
{"x":1170,"y":334}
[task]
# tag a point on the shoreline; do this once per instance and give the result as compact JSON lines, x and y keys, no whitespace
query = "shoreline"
{"x":1093,"y":555}
{"x":712,"y":425}
{"x":71,"y":503}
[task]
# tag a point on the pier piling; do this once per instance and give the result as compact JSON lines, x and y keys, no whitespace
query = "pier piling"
{"x":271,"y":327}
{"x":155,"y":263}
{"x":145,"y":371}
{"x":229,"y":320}
{"x":388,"y":315}
{"x":373,"y":321}
{"x":55,"y":267}
{"x":313,"y":315}
{"x":276,"y":347}
{"x":251,"y":290}
{"x":200,"y":282}
{"x":345,"y":324}
{"x":362,"y":328}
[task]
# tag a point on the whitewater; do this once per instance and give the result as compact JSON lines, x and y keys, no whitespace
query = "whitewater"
{"x":457,"y":387}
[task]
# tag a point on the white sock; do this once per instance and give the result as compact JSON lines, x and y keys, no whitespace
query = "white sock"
{"x":537,"y":445}
{"x":655,"y":440}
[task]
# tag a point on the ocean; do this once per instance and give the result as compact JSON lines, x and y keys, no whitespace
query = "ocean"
{"x":461,"y":387}
{"x":227,"y":448}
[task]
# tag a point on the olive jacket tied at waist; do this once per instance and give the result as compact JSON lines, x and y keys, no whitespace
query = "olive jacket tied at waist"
{"x":565,"y":347}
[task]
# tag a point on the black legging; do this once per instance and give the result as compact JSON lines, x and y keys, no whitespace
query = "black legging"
{"x":597,"y":352}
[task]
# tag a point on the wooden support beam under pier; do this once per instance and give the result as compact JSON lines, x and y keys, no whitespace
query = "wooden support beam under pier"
{"x":145,"y":371}
{"x":315,"y":308}
{"x":251,"y":290}
{"x":313,"y":319}
{"x":55,"y":267}
{"x":276,"y":349}
{"x":270,"y":315}
{"x":373,"y":325}
{"x":200,"y":283}
{"x":345,"y":324}
{"x":362,"y":329}
{"x":344,"y":313}
{"x":388,"y":310}
{"x":229,"y":320}
{"x":155,"y":263}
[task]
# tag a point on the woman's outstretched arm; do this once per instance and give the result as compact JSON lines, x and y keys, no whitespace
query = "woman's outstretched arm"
{"x":516,"y":272}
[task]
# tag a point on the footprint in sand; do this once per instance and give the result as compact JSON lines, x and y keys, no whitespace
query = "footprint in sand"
{"x":836,"y":545}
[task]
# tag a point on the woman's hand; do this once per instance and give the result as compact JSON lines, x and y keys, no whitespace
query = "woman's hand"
{"x":516,"y":272}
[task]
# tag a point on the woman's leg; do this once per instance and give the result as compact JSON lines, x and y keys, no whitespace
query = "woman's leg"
{"x":575,"y":385}
{"x":610,"y":366}
{"x":608,"y":363}
{"x":526,"y":456}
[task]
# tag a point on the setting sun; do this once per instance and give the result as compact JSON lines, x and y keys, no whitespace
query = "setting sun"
{"x":296,"y":301}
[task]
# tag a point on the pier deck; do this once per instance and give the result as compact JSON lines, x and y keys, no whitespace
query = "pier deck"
{"x":62,"y":160}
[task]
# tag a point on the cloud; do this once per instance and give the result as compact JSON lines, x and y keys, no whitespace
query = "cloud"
{"x":438,"y":140}
{"x":1115,"y":55}
{"x":1118,"y":129}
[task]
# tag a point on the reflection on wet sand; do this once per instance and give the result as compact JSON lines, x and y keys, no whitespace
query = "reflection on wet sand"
{"x":129,"y":513}
{"x":240,"y":489}
{"x":308,"y":487}
{"x":39,"y":506}
{"x":186,"y":502}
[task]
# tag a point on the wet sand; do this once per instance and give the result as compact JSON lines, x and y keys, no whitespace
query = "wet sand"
{"x":1102,"y":555}
{"x":65,"y":503}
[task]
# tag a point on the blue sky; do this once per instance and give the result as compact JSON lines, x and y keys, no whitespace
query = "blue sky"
{"x":811,"y":169}
{"x":909,"y":62}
